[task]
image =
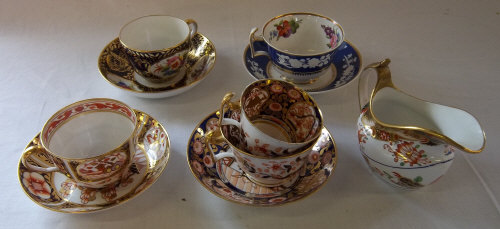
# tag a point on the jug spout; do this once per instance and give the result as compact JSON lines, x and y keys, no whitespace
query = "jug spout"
{"x":394,"y":109}
{"x":406,"y":140}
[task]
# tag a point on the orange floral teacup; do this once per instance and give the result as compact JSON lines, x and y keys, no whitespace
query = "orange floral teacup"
{"x":91,"y":141}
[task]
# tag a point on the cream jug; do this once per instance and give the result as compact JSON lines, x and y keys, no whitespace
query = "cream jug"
{"x":406,"y":141}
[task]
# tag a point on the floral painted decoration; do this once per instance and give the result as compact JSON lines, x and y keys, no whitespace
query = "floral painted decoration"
{"x":331,"y":35}
{"x":407,"y":152}
{"x":36,"y":185}
{"x":56,"y":192}
{"x":168,"y":66}
{"x":396,"y":178}
{"x":284,"y":28}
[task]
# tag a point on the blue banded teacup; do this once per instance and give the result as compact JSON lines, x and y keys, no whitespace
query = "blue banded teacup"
{"x":157,"y":45}
{"x":300,"y":45}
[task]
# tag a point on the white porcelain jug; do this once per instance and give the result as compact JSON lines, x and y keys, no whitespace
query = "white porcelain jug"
{"x":406,"y":141}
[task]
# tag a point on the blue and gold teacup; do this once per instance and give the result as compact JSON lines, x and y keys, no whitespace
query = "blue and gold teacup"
{"x":157,"y":45}
{"x":300,"y":45}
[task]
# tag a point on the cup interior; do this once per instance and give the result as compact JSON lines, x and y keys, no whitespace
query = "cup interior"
{"x":153,"y":33}
{"x":235,"y":137}
{"x":88,"y":129}
{"x":282,"y":111}
{"x":303,"y":34}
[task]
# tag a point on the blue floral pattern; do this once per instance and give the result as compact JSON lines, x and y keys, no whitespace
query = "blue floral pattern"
{"x":347,"y":62}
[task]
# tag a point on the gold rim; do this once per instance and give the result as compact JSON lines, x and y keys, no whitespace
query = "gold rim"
{"x":307,"y":14}
{"x":332,"y":172}
{"x":104,"y":72}
{"x":388,"y":83}
{"x":45,"y":147}
{"x":116,"y":203}
{"x":186,"y":39}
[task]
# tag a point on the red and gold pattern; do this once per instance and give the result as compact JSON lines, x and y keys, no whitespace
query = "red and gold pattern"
{"x":408,"y":153}
{"x":36,"y":185}
{"x":286,"y":104}
{"x":102,"y":167}
{"x":56,"y":192}
{"x":226,"y":180}
{"x":85,"y":106}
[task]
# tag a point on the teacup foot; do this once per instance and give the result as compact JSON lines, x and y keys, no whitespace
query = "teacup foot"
{"x":311,"y":81}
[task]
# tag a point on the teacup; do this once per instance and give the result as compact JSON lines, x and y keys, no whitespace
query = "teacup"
{"x":268,"y":171}
{"x":157,"y":45}
{"x":300,"y":45}
{"x":91,"y":141}
{"x":277,"y":118}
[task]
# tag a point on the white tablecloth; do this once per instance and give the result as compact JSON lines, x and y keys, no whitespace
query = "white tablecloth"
{"x":442,"y":51}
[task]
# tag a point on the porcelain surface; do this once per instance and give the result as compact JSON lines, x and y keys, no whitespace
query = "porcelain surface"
{"x":406,"y":141}
{"x":90,"y":141}
{"x":55,"y":191}
{"x":226,"y":180}
{"x":157,"y":45}
{"x":300,"y":45}
{"x":277,"y":118}
{"x":117,"y":70}
{"x":346,"y":66}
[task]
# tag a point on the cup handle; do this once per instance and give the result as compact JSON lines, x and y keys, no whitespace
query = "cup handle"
{"x":27,"y":153}
{"x":193,"y":27}
{"x":215,"y":137}
{"x":226,"y":103}
{"x":252,"y":40}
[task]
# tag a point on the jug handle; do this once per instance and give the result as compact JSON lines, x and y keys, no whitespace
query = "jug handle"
{"x":383,"y":80}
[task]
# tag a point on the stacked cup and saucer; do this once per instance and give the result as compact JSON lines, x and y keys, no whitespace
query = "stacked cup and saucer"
{"x":307,"y":49}
{"x":268,"y":148}
{"x":92,"y":155}
{"x":157,"y":56}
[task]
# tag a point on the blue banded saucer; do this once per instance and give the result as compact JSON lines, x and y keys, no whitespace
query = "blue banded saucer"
{"x":347,"y":65}
{"x":116,"y":70}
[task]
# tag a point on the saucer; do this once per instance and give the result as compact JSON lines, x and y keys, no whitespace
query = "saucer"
{"x":346,"y":66}
{"x":225,"y":179}
{"x":116,"y":69}
{"x":54,"y":191}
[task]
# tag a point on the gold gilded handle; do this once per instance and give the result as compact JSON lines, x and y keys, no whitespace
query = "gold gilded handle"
{"x":215,"y":136}
{"x":226,"y":102}
{"x":27,"y":153}
{"x":383,"y":73}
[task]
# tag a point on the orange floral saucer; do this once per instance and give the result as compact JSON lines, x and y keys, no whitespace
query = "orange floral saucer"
{"x":54,"y":191}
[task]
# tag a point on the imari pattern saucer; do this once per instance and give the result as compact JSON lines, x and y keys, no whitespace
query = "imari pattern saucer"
{"x":346,"y":66}
{"x":226,"y":180}
{"x":116,"y":69}
{"x":56,"y":192}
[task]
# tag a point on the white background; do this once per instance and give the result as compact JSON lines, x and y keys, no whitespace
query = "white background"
{"x":443,"y":51}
